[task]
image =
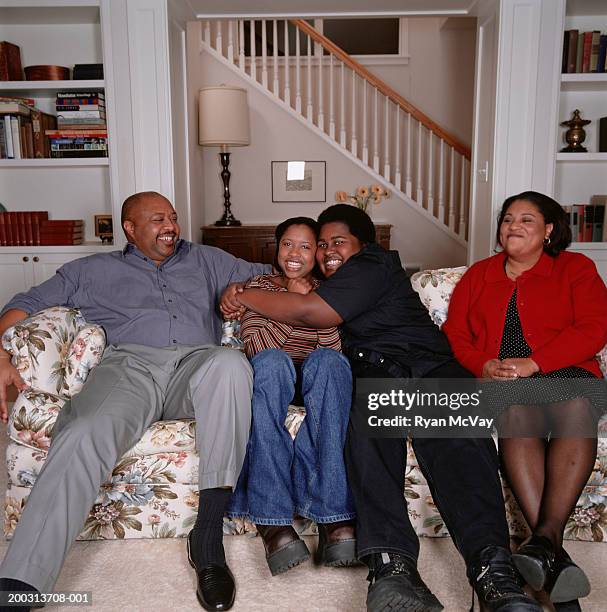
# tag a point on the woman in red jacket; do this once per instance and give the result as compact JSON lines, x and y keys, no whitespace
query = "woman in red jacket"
{"x":536,"y":310}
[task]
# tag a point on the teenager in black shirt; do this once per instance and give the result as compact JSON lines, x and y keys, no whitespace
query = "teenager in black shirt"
{"x":387,"y":332}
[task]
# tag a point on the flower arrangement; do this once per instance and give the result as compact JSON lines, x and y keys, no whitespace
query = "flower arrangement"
{"x":363,"y":196}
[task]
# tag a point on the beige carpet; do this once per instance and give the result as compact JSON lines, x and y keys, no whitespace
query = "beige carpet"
{"x":154,"y":575}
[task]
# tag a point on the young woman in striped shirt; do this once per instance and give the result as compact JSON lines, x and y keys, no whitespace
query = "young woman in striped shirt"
{"x":281,"y":477}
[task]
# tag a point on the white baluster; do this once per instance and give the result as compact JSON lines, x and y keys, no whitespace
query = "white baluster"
{"x":275,"y":58}
{"x":353,"y":141}
{"x":253,"y":70}
{"x":441,"y":183}
{"x":420,"y":186}
{"x":264,"y":54}
{"x":218,"y":40}
{"x":230,"y":41}
{"x":430,"y":172}
{"x":462,"y":199}
{"x":321,"y":102}
{"x":342,"y":114}
{"x":408,"y":177}
{"x":365,"y":159}
{"x":397,"y":175}
{"x":375,"y":131}
{"x":387,"y":139}
{"x":207,"y":32}
{"x":241,"y":44}
{"x":331,"y":99}
{"x":309,"y":107}
{"x":287,"y":65}
{"x":297,"y":71}
{"x":452,"y":190}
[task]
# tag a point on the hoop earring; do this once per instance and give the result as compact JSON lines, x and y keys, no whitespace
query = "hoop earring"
{"x":546,"y":240}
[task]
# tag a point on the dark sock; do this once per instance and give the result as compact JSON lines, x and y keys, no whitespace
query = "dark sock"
{"x":11,"y":585}
{"x":207,"y":534}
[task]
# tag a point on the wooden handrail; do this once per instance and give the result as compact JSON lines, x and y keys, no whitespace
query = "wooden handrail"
{"x":332,"y":48}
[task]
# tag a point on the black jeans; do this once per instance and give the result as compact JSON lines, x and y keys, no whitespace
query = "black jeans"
{"x":462,"y":474}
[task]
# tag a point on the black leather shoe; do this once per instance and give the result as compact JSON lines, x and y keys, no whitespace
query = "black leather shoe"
{"x":397,"y":586}
{"x":497,"y":584}
{"x":336,"y":544}
{"x":284,"y":549}
{"x":534,"y":560}
{"x":216,"y":589}
{"x":566,"y":581}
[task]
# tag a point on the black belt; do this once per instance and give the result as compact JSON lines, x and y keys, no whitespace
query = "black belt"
{"x":392,"y":367}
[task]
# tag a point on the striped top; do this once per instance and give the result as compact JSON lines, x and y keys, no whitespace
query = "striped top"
{"x":259,"y":333}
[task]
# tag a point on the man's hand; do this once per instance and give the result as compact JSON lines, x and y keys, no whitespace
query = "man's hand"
{"x":229,"y":304}
{"x":523,"y":366}
{"x":499,"y":370}
{"x":8,"y":376}
{"x":299,"y":285}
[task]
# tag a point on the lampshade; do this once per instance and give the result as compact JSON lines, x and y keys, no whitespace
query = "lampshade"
{"x":223,"y":116}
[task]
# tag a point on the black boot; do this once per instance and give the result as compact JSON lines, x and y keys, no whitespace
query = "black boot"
{"x":566,"y":581}
{"x":534,"y":560}
{"x":497,"y":583}
{"x":396,"y":585}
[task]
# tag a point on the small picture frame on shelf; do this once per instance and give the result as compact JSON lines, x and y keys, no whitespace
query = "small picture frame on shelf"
{"x":299,"y":181}
{"x":104,"y":228}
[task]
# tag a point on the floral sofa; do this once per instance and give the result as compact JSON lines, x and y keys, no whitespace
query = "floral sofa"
{"x":152,"y":492}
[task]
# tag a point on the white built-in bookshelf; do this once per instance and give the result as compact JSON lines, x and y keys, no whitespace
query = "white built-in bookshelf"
{"x":578,"y":176}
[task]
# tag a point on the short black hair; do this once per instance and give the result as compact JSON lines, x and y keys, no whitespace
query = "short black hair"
{"x":552,"y":211}
{"x":281,"y":228}
{"x":358,"y":221}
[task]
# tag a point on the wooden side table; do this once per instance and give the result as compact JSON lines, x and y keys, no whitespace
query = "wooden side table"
{"x":256,"y":242}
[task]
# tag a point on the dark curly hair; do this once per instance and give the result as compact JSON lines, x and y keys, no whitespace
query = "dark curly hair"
{"x":552,"y":211}
{"x":358,"y":221}
{"x":281,"y":228}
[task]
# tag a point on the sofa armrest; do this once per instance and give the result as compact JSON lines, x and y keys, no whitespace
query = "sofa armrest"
{"x":54,"y":350}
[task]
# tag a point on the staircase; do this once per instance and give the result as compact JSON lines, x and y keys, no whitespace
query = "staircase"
{"x":362,"y":116}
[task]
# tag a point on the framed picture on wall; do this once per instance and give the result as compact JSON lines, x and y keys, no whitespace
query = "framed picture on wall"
{"x":299,"y":181}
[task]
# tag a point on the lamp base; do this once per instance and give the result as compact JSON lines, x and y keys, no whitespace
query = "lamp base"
{"x":227,"y":222}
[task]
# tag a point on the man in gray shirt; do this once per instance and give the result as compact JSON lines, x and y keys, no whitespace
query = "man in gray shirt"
{"x":156,"y":300}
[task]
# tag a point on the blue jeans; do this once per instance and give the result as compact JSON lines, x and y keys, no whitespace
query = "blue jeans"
{"x":282,"y":477}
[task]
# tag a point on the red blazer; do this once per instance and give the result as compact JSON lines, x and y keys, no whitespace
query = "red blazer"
{"x":562,"y":304}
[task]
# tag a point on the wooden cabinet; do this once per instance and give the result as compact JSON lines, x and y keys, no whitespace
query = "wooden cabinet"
{"x":256,"y":242}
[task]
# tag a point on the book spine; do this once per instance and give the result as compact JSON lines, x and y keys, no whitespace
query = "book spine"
{"x":573,"y":223}
{"x":600,"y":65}
{"x":572,"y":50}
{"x":594,"y":50}
{"x":588,"y":222}
{"x":78,"y":153}
{"x":14,"y":226}
{"x":80,"y":94}
{"x":62,"y":108}
{"x":580,"y":223}
{"x":10,"y":151}
{"x":597,"y":226}
{"x":16,"y":137}
{"x":3,"y":149}
{"x":580,"y":52}
{"x":587,"y":51}
{"x":565,"y":51}
{"x":28,"y":227}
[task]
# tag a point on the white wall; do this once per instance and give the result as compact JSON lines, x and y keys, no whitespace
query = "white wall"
{"x":277,"y":135}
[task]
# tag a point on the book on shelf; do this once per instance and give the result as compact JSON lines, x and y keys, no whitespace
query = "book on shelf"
{"x":572,"y":50}
{"x":10,"y":62}
{"x":61,"y":241}
{"x":26,"y":101}
{"x":81,"y":114}
{"x":78,"y":153}
{"x":600,"y":67}
{"x":594,"y":50}
{"x":41,"y":123}
{"x":63,"y":108}
{"x":21,"y":228}
{"x":88,"y":71}
{"x":14,"y":108}
{"x":52,"y":224}
{"x":81,"y":94}
{"x":85,"y":133}
{"x":587,"y":51}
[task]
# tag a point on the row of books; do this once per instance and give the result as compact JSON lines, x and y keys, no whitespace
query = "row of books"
{"x":584,"y":51}
{"x":22,"y":131}
{"x":587,"y":221}
{"x":33,"y":228}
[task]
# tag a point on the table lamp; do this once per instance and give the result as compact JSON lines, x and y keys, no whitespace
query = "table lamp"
{"x":223,"y":121}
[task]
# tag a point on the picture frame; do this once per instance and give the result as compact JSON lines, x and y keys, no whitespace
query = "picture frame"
{"x":299,"y":181}
{"x":104,"y":228}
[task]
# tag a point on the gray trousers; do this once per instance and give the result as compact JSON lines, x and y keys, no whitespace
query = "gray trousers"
{"x":132,"y":387}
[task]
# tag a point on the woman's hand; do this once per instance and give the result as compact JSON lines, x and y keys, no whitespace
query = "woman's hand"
{"x":524,"y":367}
{"x":499,"y":370}
{"x":229,"y":304}
{"x":8,"y":376}
{"x":299,"y":285}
